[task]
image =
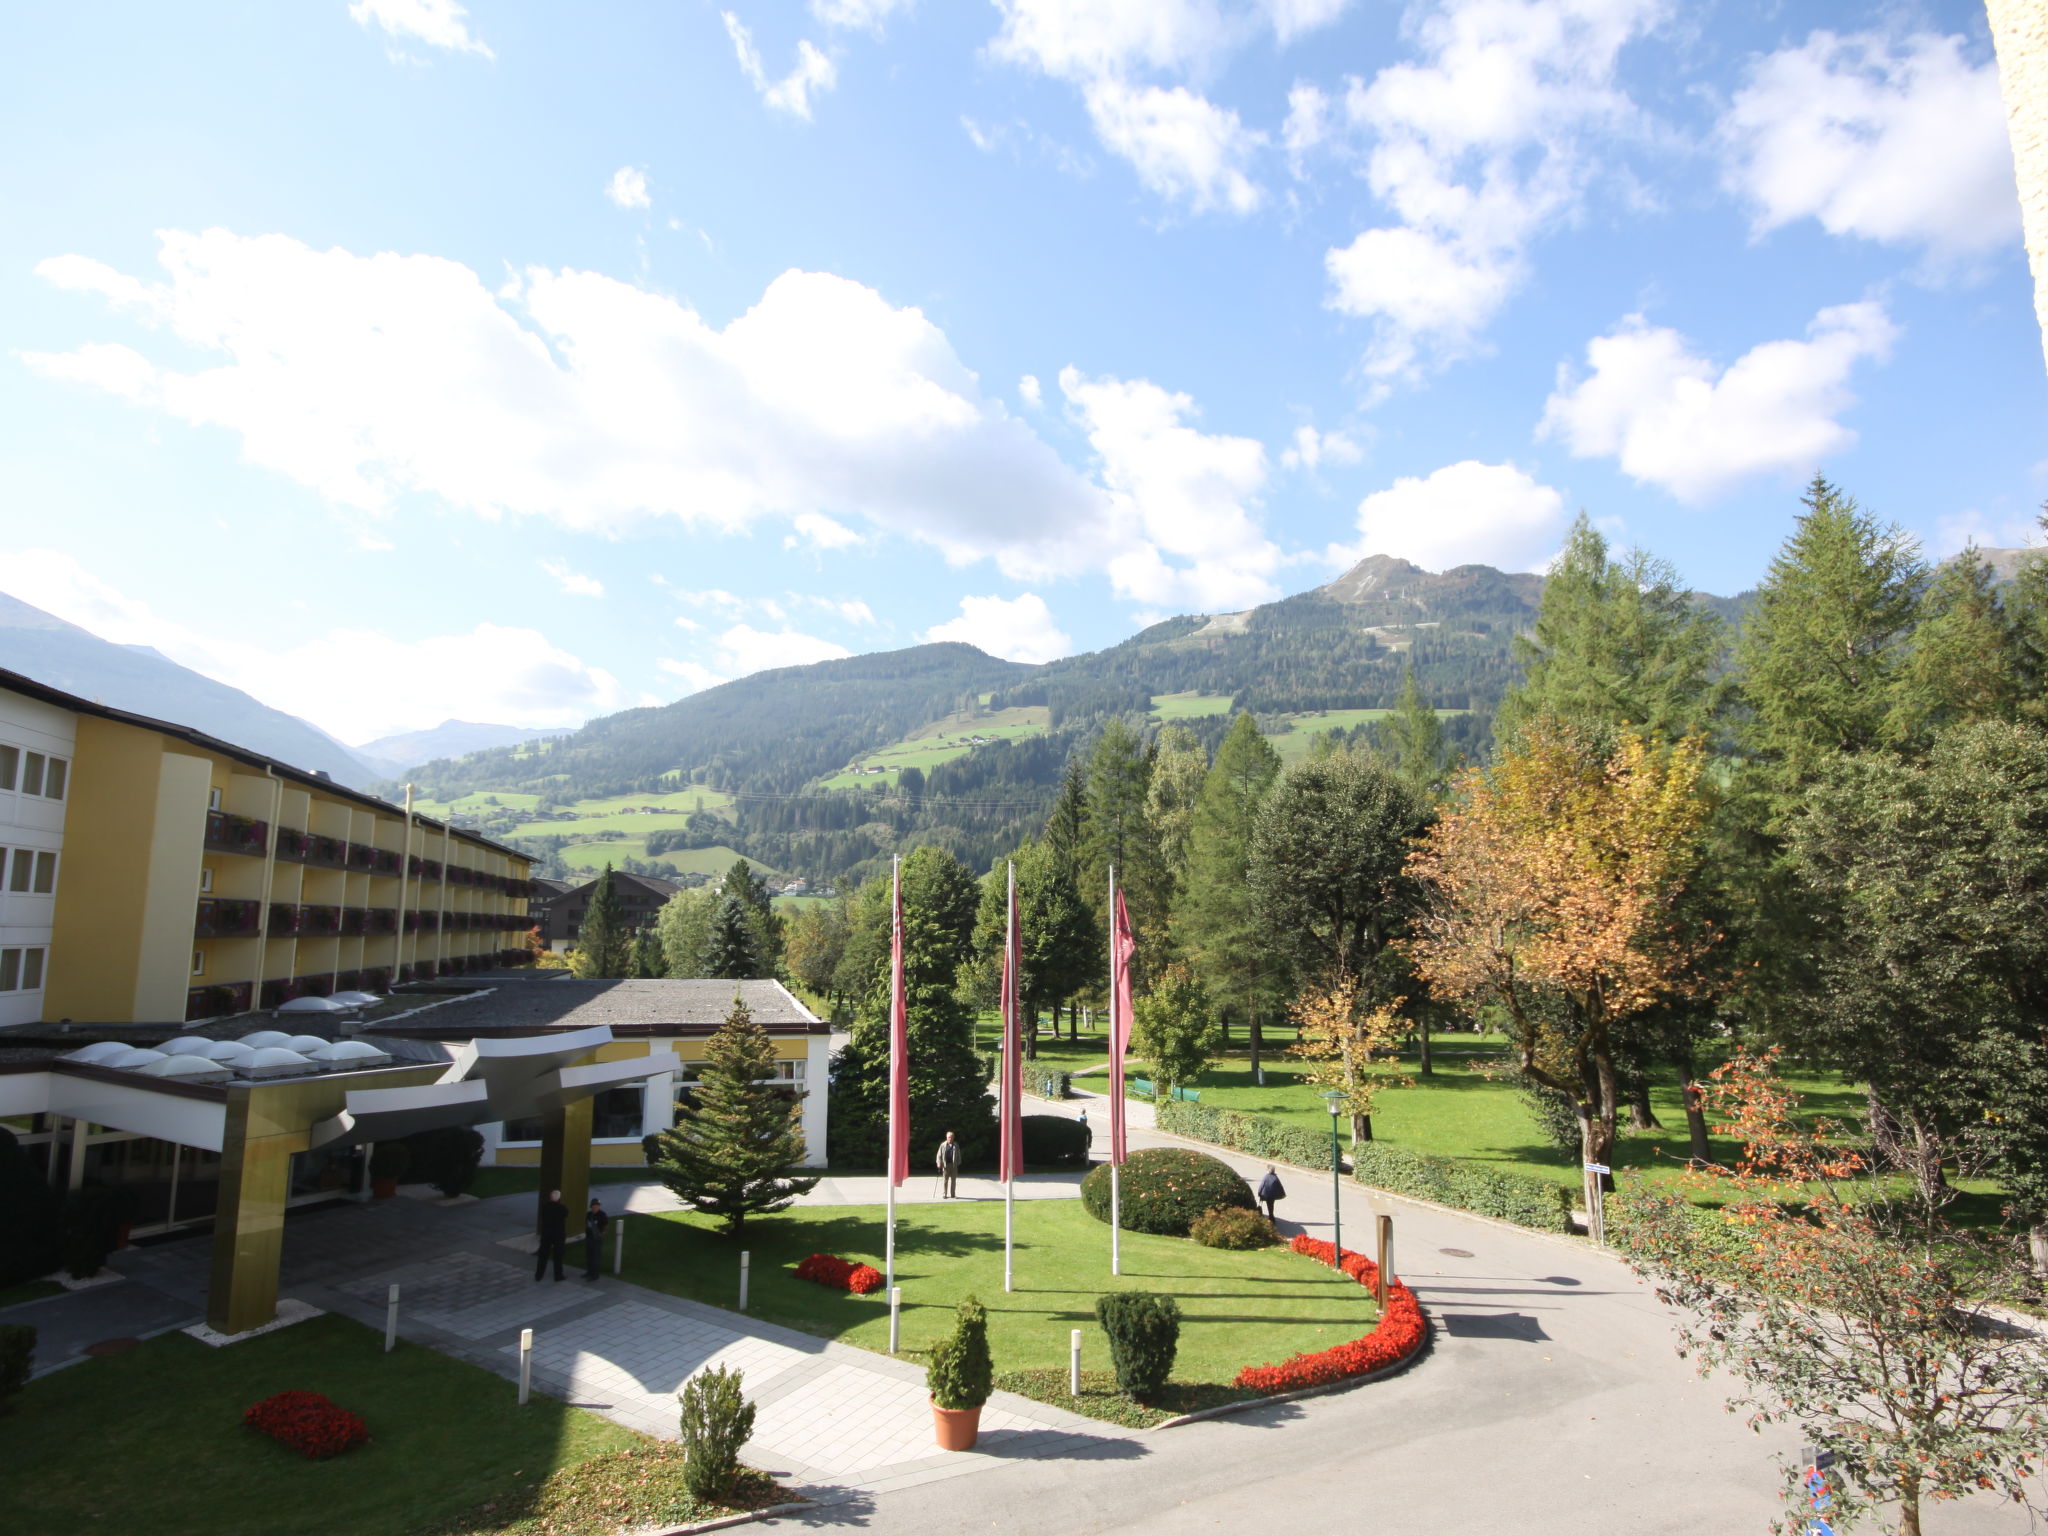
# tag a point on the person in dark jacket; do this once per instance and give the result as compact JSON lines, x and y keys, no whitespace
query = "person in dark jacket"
{"x":1271,"y":1189}
{"x":594,"y":1223}
{"x":554,"y":1234}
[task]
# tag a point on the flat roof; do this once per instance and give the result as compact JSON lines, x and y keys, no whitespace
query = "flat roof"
{"x":15,"y":682}
{"x":530,"y":1005}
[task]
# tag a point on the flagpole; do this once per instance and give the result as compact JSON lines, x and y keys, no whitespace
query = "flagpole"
{"x":1013,"y":1076}
{"x":895,"y":1066}
{"x":1116,"y":1108}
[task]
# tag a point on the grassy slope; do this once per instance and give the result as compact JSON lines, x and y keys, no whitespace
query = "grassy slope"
{"x":941,"y":741}
{"x":1189,"y":706}
{"x":1238,"y":1308}
{"x":713,"y":861}
{"x":152,"y":1440}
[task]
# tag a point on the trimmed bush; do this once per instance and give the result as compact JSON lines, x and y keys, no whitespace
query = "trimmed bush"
{"x":1165,"y":1189}
{"x":1054,"y":1141}
{"x":31,"y":1214}
{"x":840,"y":1274}
{"x":716,"y":1420}
{"x":1144,"y":1334}
{"x":1053,"y":1085}
{"x":1274,"y":1140}
{"x":1232,"y":1227}
{"x":446,"y":1158}
{"x":17,"y":1355}
{"x":961,"y":1373}
{"x":1515,"y":1197}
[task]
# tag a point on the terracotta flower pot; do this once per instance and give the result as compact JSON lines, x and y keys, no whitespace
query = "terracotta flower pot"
{"x":383,"y":1189}
{"x":957,"y":1428}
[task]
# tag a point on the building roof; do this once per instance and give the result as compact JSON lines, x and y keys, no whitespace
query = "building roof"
{"x":15,"y":682}
{"x":652,"y":885}
{"x":531,"y":1005}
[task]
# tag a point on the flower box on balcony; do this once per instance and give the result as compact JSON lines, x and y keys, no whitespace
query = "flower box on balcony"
{"x":354,"y":922}
{"x":361,"y":856}
{"x":331,"y":851}
{"x":292,"y":843}
{"x":227,"y":833}
{"x":284,"y":920}
{"x":381,"y":920}
{"x":217,"y":1001}
{"x":321,"y":922}
{"x":385,"y":862}
{"x":224,"y":918}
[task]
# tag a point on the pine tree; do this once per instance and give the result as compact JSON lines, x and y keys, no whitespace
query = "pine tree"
{"x":1178,"y":770}
{"x":1213,"y":921}
{"x":751,"y":891}
{"x":1964,"y":662}
{"x":604,"y":947}
{"x":1413,"y":739}
{"x":735,"y":1150}
{"x":1066,"y":828}
{"x":1120,"y":837}
{"x":1617,"y":642}
{"x":948,"y":1081}
{"x":648,"y":960}
{"x":729,"y":943}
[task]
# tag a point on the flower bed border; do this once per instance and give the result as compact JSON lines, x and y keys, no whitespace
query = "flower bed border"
{"x":309,"y":1423}
{"x":1348,"y":1362}
{"x":839,"y":1274}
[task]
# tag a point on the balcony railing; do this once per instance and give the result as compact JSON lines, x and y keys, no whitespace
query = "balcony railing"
{"x":224,"y":918}
{"x":360,"y":856}
{"x":227,"y":833}
{"x":383,"y":862}
{"x":320,"y":922}
{"x":354,"y":922}
{"x":328,"y":852}
{"x":379,"y":920}
{"x":284,"y":920}
{"x":218,"y":1000}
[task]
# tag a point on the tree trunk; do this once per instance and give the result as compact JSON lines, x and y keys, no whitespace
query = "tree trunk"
{"x":1427,"y":1069}
{"x":1640,"y":1115}
{"x":2037,"y":1248}
{"x":1031,"y":1035}
{"x":1909,"y":1506}
{"x":1361,"y":1129}
{"x":1696,"y":1124}
{"x":1257,"y":1041}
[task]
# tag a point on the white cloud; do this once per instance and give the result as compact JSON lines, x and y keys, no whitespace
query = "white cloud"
{"x":1029,"y":392}
{"x":743,"y":649}
{"x":850,"y":609}
{"x":1955,"y":531}
{"x":714,"y":597}
{"x":1016,"y":629}
{"x":1310,"y":448}
{"x":1183,"y":146}
{"x":1463,"y":514}
{"x":1670,"y":418}
{"x":682,"y":621}
{"x":439,"y":23}
{"x":813,"y":71}
{"x":1308,"y":124}
{"x":1175,"y":492}
{"x":1294,"y":18}
{"x":820,"y":532}
{"x":628,"y":187}
{"x":1476,"y":147}
{"x":858,"y":15}
{"x":694,"y":673}
{"x":1902,"y":141}
{"x":577,"y":398}
{"x":357,"y":684}
{"x":575,"y":583}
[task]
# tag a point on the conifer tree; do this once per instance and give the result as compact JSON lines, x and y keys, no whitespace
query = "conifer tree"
{"x":1413,"y":740}
{"x":1056,"y":932}
{"x":1964,"y":662}
{"x":948,"y":1081}
{"x":604,"y":947}
{"x":1178,"y":770}
{"x":751,"y":891}
{"x":737,"y":1146}
{"x":1066,"y":828}
{"x":1119,"y":836}
{"x":648,"y":960}
{"x":729,"y":943}
{"x":1213,"y":920}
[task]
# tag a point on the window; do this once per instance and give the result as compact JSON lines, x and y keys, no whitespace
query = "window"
{"x":205,"y":879}
{"x":46,"y":872}
{"x":198,"y":962}
{"x":10,"y":766}
{"x":29,"y":871}
{"x":213,"y":799}
{"x":32,"y":773}
{"x":23,"y":870}
{"x":21,"y":970}
{"x":53,"y":778}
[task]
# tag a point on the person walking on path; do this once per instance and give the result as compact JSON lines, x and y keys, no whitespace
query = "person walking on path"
{"x":554,"y":1234}
{"x":949,"y":1166}
{"x":1087,"y":1136}
{"x":594,"y":1222}
{"x":1271,"y":1189}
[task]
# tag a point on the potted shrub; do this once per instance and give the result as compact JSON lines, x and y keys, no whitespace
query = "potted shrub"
{"x":960,"y":1378}
{"x":389,"y":1161}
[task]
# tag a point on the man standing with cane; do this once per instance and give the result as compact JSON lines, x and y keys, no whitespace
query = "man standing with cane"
{"x":594,"y":1222}
{"x":949,"y":1166}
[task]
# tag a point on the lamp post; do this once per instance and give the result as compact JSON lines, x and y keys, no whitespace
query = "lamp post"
{"x":1335,"y":1100}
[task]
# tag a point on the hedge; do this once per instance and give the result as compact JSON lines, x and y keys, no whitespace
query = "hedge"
{"x":1052,"y":1085}
{"x":1515,"y":1197}
{"x":1165,"y":1189}
{"x":1053,"y":1141}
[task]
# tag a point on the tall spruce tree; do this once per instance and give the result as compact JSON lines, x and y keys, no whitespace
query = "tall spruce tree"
{"x":1178,"y":770}
{"x":1412,"y":737}
{"x":1617,"y":642}
{"x":604,"y":945}
{"x":648,"y":960}
{"x":1964,"y":662}
{"x":738,"y":1144}
{"x":1120,"y":837}
{"x":948,"y":1081}
{"x":1066,"y":827}
{"x":1213,"y":920}
{"x":731,"y":943}
{"x":751,"y":891}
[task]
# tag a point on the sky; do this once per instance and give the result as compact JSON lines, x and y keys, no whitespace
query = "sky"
{"x":397,"y":361}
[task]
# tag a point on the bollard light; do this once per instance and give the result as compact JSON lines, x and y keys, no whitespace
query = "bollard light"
{"x":1335,"y":1100}
{"x":895,"y":1317}
{"x":391,"y":1320}
{"x":745,"y":1260}
{"x":525,"y":1364}
{"x":1074,"y":1363}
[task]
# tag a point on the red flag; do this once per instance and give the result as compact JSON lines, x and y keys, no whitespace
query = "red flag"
{"x":899,"y":1040}
{"x":1122,"y":946}
{"x":1010,"y":1130}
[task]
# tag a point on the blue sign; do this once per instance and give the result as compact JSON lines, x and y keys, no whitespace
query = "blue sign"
{"x":1818,"y":1527}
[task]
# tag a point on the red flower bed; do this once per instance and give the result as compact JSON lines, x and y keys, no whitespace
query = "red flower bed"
{"x":840,"y":1274}
{"x":1399,"y":1333}
{"x":308,"y":1423}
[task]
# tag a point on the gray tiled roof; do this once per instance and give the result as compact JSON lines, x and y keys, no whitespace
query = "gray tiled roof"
{"x":628,"y":1007}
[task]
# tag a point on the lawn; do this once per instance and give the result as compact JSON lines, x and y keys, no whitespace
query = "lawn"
{"x":713,"y":861}
{"x":1237,"y":1309}
{"x":153,"y":1441}
{"x":940,"y":742}
{"x":1189,"y":706}
{"x":28,"y":1290}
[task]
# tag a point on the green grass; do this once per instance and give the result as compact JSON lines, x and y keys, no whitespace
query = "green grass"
{"x":714,"y":861}
{"x":1238,"y":1309}
{"x":514,"y":1181}
{"x":1189,"y":706}
{"x":1293,"y":735}
{"x":476,"y":803}
{"x":941,"y":741}
{"x":28,"y":1290}
{"x":153,"y":1441}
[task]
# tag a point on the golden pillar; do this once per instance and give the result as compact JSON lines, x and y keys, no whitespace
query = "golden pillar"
{"x":565,"y":1160}
{"x":248,"y":1232}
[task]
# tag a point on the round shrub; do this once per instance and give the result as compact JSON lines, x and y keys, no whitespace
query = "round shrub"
{"x":1165,"y":1189}
{"x":1233,"y":1227}
{"x":1053,"y":1141}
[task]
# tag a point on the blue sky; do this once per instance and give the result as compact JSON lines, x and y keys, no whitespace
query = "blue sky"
{"x":397,"y":361}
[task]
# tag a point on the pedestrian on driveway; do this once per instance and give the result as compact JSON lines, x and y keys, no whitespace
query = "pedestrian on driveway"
{"x":554,"y":1234}
{"x":1087,"y":1136}
{"x":1271,"y":1189}
{"x":949,"y":1166}
{"x":594,"y":1223}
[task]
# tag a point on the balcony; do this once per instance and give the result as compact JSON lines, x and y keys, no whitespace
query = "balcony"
{"x":326,"y":852}
{"x":218,"y":1001}
{"x":292,"y":844}
{"x":380,"y":920}
{"x":424,"y":869}
{"x":354,"y":922}
{"x":319,"y":922}
{"x":227,"y":833}
{"x":221,"y":918}
{"x":360,"y":856}
{"x":284,"y":920}
{"x":383,"y":862}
